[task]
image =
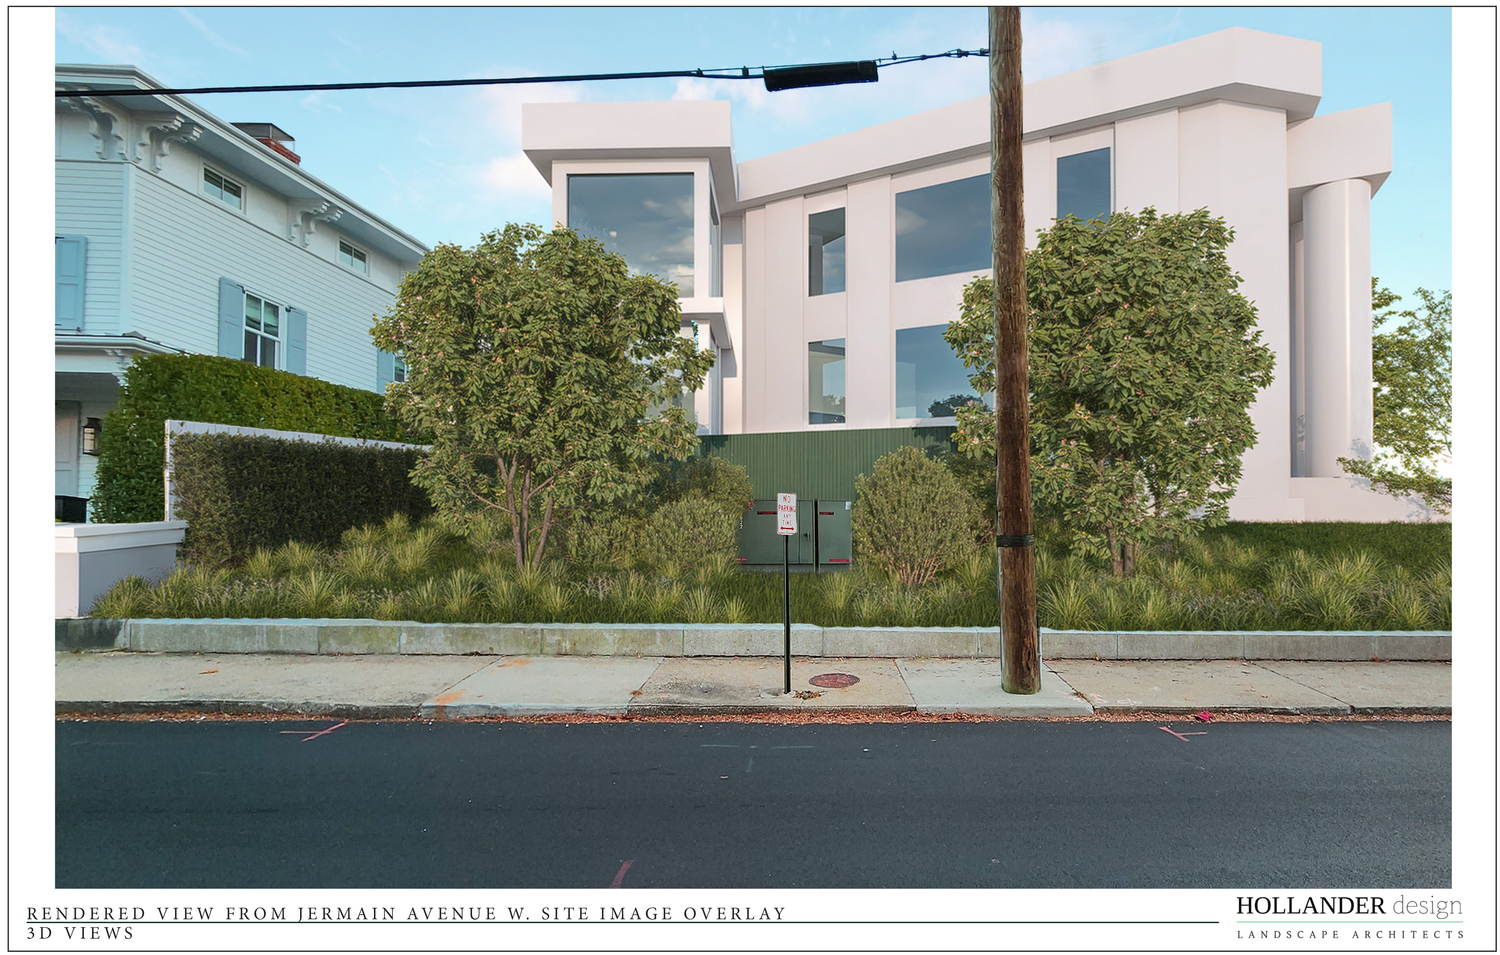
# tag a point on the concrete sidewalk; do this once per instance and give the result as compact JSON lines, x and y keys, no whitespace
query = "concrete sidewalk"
{"x":456,"y":687}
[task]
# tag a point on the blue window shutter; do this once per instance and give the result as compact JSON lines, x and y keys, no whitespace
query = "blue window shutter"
{"x":72,"y":257}
{"x":296,"y":341}
{"x":385,"y":369}
{"x":231,"y":319}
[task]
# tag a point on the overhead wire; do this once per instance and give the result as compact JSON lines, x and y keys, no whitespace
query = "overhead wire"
{"x":722,"y":73}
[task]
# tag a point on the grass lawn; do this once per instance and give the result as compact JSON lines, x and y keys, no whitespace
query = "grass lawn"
{"x":1239,"y":577}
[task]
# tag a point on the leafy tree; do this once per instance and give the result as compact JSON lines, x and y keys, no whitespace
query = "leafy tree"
{"x":545,"y":373}
{"x":1413,"y":371}
{"x":1144,"y":359}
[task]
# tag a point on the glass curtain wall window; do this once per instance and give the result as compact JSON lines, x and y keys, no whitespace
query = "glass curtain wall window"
{"x":825,"y":382}
{"x":931,"y":381}
{"x":825,"y":252}
{"x":222,"y":188}
{"x":1083,"y":185}
{"x":647,"y":218}
{"x":943,"y":229}
{"x":262,"y":331}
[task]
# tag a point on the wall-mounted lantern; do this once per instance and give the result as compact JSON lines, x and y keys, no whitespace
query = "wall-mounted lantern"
{"x":91,"y":436}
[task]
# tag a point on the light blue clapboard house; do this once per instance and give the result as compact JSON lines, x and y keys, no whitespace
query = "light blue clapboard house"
{"x":177,"y":231}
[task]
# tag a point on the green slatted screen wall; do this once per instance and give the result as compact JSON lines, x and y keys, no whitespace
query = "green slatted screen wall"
{"x":817,"y":465}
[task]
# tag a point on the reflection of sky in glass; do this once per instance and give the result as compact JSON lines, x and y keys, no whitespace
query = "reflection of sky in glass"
{"x":825,"y":382}
{"x":825,"y":252}
{"x":1083,"y":185}
{"x":928,"y":374}
{"x":646,"y":218}
{"x":943,"y":229}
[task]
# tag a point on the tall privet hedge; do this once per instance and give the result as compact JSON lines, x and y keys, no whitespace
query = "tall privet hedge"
{"x":238,"y":493}
{"x":221,"y":391}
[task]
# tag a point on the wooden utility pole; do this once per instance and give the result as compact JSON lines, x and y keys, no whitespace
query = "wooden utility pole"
{"x":1020,"y":650}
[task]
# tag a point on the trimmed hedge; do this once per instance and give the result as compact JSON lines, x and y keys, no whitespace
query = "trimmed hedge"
{"x":240,"y":493}
{"x":220,"y":391}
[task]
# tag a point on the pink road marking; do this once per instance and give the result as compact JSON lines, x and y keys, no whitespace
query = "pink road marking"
{"x":620,"y":876}
{"x":1181,"y":736}
{"x":315,"y":735}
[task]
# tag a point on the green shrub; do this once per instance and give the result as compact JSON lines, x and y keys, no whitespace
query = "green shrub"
{"x":604,"y":539}
{"x":691,"y":533}
{"x":221,"y":391}
{"x":241,"y":493}
{"x":723,"y":482}
{"x":912,"y":517}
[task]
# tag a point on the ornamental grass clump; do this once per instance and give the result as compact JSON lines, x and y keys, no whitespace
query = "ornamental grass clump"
{"x":912,"y":518}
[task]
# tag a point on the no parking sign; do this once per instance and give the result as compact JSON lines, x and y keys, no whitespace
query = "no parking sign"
{"x":786,"y":514}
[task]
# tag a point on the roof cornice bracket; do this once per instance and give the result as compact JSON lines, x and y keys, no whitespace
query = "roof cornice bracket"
{"x":157,"y":133}
{"x":106,"y":124}
{"x":305,"y":221}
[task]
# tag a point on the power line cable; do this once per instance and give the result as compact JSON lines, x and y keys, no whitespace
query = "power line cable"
{"x":724,"y":73}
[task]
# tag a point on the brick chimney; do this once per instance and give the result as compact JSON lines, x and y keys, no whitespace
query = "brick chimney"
{"x":274,"y":138}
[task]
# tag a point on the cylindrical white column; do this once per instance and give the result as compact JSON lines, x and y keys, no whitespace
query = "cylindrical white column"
{"x":1337,"y":377}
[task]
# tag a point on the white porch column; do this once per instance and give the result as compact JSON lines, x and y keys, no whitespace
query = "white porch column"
{"x":1338,"y":380}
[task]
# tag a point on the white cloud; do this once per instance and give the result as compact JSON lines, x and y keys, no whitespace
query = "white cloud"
{"x":208,"y":33}
{"x":749,"y":93}
{"x":500,"y":106}
{"x":114,"y":45}
{"x":512,"y":176}
{"x":1053,"y":47}
{"x":317,"y":101}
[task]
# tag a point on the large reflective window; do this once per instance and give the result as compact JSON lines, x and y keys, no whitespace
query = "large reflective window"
{"x":931,"y":381}
{"x":825,"y":252}
{"x":1083,"y":185}
{"x":943,"y":229}
{"x":825,"y":382}
{"x":647,"y":218}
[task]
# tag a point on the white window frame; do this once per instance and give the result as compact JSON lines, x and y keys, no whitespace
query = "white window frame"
{"x":356,"y":254}
{"x":203,"y":183}
{"x":399,"y":370}
{"x":279,"y":338}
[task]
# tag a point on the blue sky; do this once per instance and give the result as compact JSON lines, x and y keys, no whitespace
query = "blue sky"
{"x":446,"y":165}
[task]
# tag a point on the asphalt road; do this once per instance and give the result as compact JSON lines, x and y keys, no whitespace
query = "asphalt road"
{"x":728,"y":805}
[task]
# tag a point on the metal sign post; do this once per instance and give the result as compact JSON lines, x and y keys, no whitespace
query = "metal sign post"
{"x":786,"y":526}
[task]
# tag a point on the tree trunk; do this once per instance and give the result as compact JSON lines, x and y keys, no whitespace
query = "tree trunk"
{"x":1116,"y":555}
{"x":541,"y":544}
{"x":1129,"y":561}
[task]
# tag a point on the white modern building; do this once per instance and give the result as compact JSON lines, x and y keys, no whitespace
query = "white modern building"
{"x":823,"y":276}
{"x":179,"y":232}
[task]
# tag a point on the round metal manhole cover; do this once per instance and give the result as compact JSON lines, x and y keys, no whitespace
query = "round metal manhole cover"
{"x":834,"y":680}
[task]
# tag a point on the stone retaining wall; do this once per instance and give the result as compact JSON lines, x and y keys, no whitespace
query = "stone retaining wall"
{"x":731,"y":640}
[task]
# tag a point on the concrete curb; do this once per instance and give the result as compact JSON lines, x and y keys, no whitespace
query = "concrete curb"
{"x":341,"y":636}
{"x":87,"y":633}
{"x":347,"y":711}
{"x":1316,"y":709}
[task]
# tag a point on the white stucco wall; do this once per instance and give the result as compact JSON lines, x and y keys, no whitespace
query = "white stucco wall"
{"x":1224,"y":122}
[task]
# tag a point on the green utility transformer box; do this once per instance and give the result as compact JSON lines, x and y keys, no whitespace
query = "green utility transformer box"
{"x":821,"y":468}
{"x":823,"y":535}
{"x":834,"y":540}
